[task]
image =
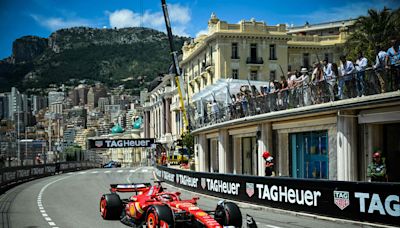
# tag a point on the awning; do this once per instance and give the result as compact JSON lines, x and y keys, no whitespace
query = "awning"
{"x":223,"y":88}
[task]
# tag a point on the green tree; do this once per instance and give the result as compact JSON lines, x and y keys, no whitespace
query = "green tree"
{"x":188,"y":142}
{"x":72,"y":153}
{"x":375,"y":29}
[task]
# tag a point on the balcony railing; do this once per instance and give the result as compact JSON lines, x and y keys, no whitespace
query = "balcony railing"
{"x":254,"y":60}
{"x":350,"y":86}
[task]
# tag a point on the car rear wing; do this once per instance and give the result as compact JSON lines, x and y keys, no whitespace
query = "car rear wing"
{"x":133,"y":187}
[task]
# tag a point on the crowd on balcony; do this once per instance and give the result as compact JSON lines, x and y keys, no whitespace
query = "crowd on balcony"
{"x":326,"y":82}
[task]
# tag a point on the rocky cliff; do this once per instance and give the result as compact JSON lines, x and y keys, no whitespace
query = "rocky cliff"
{"x":106,"y":55}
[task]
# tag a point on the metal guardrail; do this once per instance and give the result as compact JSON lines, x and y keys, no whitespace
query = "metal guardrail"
{"x":350,"y":86}
{"x":12,"y":176}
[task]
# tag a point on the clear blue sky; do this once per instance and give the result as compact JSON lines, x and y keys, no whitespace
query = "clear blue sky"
{"x":188,"y":17}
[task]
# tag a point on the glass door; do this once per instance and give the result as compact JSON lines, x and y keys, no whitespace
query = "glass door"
{"x":248,"y":150}
{"x":309,"y":154}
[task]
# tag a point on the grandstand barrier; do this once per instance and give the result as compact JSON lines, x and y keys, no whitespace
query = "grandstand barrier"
{"x":359,"y":201}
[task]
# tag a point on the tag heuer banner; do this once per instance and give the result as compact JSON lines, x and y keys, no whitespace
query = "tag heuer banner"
{"x":362,"y":201}
{"x":120,"y":143}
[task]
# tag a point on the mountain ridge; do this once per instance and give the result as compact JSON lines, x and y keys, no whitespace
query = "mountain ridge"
{"x":83,"y":53}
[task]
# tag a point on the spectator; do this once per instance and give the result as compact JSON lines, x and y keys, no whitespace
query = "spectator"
{"x":377,"y":168}
{"x":380,"y":64}
{"x":316,"y":77}
{"x":361,"y":65}
{"x":330,"y":78}
{"x":215,"y":110}
{"x":346,"y":70}
{"x":393,"y":63}
{"x":245,"y":103}
{"x":164,"y":159}
{"x":269,"y":164}
{"x":304,"y":81}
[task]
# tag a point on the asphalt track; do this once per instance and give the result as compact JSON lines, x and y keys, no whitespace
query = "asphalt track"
{"x":71,"y":200}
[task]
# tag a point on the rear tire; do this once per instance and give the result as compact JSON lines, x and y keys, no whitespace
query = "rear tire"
{"x":228,"y":214}
{"x":110,"y":206}
{"x":158,"y":215}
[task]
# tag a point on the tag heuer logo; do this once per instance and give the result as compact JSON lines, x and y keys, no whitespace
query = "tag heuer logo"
{"x":341,"y":199}
{"x":98,"y":143}
{"x":250,"y":189}
{"x":203,"y":183}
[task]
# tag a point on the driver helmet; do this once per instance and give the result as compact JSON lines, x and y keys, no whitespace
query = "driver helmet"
{"x":166,"y":197}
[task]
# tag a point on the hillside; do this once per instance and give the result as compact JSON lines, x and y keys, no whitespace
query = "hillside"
{"x":70,"y":55}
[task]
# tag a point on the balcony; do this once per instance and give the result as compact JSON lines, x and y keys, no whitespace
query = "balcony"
{"x":255,"y":60}
{"x":334,"y":93}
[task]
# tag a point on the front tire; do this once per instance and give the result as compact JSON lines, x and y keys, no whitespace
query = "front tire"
{"x":110,"y":206}
{"x":160,"y":216}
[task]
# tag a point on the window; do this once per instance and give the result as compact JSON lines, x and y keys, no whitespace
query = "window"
{"x":253,"y":51}
{"x":198,"y":66}
{"x":272,"y":75}
{"x":211,"y":54}
{"x":309,"y":154}
{"x":253,"y":75}
{"x":235,"y":53}
{"x":192,"y":69}
{"x":306,"y":60}
{"x":272,"y":52}
{"x":235,"y":74}
{"x":249,"y":155}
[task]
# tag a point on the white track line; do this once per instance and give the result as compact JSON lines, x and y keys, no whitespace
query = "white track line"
{"x":40,"y":204}
{"x":132,"y":171}
{"x":120,"y":171}
{"x":272,"y":226}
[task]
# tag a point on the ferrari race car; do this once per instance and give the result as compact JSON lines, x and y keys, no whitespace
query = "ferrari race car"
{"x":154,"y":207}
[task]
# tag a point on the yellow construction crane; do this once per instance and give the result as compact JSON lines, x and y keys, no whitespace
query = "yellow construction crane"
{"x":178,"y":77}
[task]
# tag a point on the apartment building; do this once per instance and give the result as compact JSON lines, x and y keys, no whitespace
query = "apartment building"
{"x":324,"y":140}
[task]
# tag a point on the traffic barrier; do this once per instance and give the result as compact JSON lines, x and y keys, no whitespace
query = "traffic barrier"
{"x":359,"y":201}
{"x":12,"y":176}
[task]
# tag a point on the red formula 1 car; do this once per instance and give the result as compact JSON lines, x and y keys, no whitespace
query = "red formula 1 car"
{"x":154,"y":207}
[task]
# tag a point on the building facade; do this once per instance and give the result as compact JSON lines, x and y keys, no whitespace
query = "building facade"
{"x":326,"y":140}
{"x":162,"y":116}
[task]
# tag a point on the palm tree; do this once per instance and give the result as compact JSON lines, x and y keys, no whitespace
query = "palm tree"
{"x":377,"y":28}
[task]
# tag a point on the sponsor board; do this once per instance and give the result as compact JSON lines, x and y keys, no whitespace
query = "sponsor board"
{"x":250,"y":189}
{"x":374,"y":203}
{"x":361,"y":201}
{"x":186,"y":180}
{"x":23,"y":173}
{"x":342,"y":199}
{"x":120,"y":143}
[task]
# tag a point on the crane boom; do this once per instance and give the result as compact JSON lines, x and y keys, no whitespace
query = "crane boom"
{"x":178,"y":77}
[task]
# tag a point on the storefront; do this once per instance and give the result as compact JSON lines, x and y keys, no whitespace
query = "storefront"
{"x":379,"y":129}
{"x":309,"y":154}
